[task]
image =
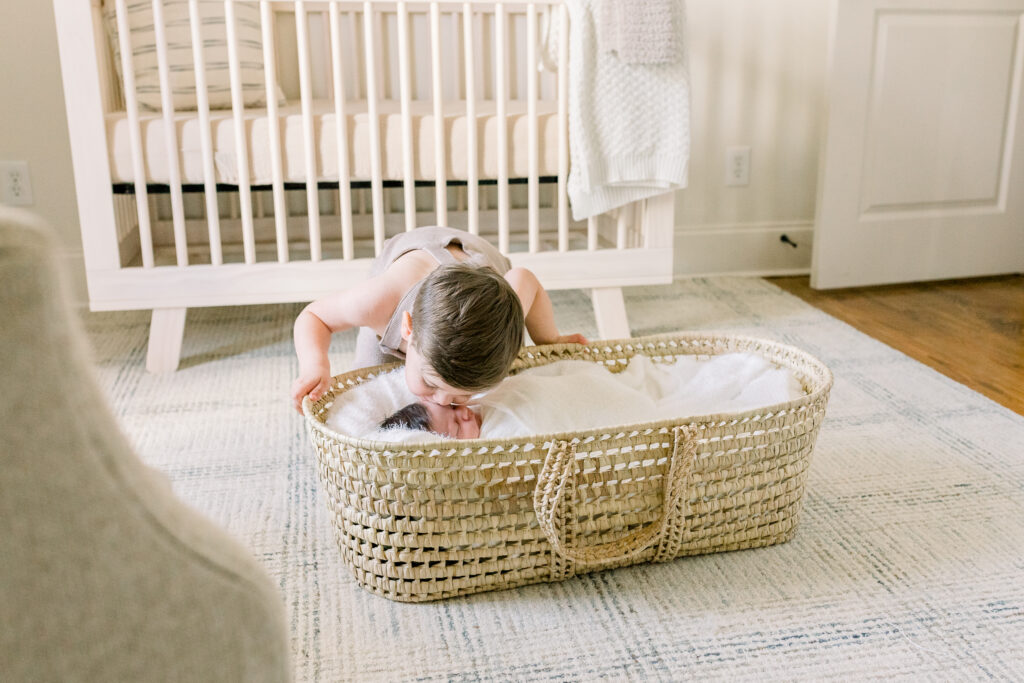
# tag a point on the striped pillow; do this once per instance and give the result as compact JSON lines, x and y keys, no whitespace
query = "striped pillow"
{"x":177,"y":31}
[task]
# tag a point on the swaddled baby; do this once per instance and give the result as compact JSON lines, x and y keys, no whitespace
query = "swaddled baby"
{"x":568,"y":395}
{"x":581,"y":395}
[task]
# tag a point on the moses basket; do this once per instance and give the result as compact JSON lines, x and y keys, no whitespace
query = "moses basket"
{"x":425,"y":521}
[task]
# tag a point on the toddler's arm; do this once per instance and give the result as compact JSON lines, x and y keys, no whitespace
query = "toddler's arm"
{"x":369,"y":305}
{"x":540,"y":318}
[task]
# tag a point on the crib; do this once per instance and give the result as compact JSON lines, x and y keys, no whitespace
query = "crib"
{"x":253,"y":151}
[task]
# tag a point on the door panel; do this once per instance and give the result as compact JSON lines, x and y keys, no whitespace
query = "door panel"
{"x":921,"y":169}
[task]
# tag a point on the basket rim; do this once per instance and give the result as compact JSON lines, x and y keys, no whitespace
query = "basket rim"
{"x":635,"y":345}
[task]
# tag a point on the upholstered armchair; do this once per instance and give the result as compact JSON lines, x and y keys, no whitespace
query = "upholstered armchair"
{"x":104,"y":574}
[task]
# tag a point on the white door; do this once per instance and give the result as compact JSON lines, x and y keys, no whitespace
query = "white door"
{"x":922,"y":171}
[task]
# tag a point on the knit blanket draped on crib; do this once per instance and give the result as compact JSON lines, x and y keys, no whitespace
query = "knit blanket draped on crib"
{"x":629,"y":122}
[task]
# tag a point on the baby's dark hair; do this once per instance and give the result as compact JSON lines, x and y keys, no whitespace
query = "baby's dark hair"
{"x":468,"y":325}
{"x":412,"y":416}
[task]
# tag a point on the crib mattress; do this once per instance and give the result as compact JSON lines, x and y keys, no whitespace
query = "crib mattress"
{"x":293,"y":145}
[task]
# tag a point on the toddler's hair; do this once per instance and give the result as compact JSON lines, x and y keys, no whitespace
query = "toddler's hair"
{"x":412,"y":416}
{"x":468,"y":325}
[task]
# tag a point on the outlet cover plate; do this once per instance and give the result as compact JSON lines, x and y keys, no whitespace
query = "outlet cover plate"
{"x":15,"y":184}
{"x":737,"y":166}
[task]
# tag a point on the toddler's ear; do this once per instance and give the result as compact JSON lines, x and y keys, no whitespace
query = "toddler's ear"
{"x":406,"y":325}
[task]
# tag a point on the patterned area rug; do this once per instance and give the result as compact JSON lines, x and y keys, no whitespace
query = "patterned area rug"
{"x":908,"y":563}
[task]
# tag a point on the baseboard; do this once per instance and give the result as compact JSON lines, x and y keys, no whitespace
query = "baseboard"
{"x":754,"y":249}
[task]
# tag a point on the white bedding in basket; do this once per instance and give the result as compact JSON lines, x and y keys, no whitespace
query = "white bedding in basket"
{"x":568,"y":396}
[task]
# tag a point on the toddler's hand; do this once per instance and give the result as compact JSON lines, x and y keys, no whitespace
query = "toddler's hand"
{"x":572,"y":339}
{"x":313,"y":383}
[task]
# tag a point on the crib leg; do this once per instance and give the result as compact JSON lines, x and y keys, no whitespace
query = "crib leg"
{"x":166,"y":330}
{"x":610,"y":312}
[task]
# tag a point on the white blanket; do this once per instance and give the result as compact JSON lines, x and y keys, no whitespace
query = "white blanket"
{"x":579,"y":395}
{"x":570,"y":396}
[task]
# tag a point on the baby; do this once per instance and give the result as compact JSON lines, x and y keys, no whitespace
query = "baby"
{"x":571,"y":394}
{"x":453,"y":421}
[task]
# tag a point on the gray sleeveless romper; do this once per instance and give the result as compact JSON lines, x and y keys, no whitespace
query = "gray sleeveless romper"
{"x":371,"y":350}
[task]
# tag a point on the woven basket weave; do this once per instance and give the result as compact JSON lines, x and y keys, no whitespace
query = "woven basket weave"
{"x":425,"y":521}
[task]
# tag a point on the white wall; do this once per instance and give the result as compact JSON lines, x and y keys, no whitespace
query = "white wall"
{"x":33,"y":125}
{"x":757,"y":68}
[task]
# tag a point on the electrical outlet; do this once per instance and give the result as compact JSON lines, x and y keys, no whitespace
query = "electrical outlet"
{"x":737,"y":166}
{"x":15,"y":185}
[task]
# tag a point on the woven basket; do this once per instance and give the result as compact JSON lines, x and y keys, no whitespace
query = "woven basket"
{"x":418,"y":522}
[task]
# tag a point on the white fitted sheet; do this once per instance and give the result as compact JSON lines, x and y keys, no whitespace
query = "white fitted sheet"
{"x":292,"y":143}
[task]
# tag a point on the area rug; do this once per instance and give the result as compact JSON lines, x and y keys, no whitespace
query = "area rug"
{"x":908,"y":562}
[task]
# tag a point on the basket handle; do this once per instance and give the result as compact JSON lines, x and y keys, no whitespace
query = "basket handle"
{"x":556,"y":484}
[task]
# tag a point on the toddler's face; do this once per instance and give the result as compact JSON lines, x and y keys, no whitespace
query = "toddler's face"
{"x":427,"y":386}
{"x":459,"y":422}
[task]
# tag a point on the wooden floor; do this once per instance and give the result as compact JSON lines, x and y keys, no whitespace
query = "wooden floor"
{"x":969,"y":330}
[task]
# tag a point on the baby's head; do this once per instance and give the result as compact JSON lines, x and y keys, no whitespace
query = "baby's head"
{"x":458,"y":422}
{"x":464,"y":332}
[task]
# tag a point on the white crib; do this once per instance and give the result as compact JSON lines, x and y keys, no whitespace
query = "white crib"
{"x":291,"y":199}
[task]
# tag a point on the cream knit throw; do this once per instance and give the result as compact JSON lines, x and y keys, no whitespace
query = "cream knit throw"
{"x":629,"y":124}
{"x":639,"y":31}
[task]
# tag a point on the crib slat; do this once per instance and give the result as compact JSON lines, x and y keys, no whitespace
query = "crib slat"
{"x":405,"y":85}
{"x":376,"y":184}
{"x":274,"y":131}
{"x":592,"y":233}
{"x":341,"y":135}
{"x":621,"y":222}
{"x":135,"y":136}
{"x":241,"y":146}
{"x":306,"y":96}
{"x":359,"y":86}
{"x":533,"y":184}
{"x":472,"y":182}
{"x":563,"y":130}
{"x":501,"y":97}
{"x":170,"y":135}
{"x":451,"y":55}
{"x":440,"y":151}
{"x":205,"y":141}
